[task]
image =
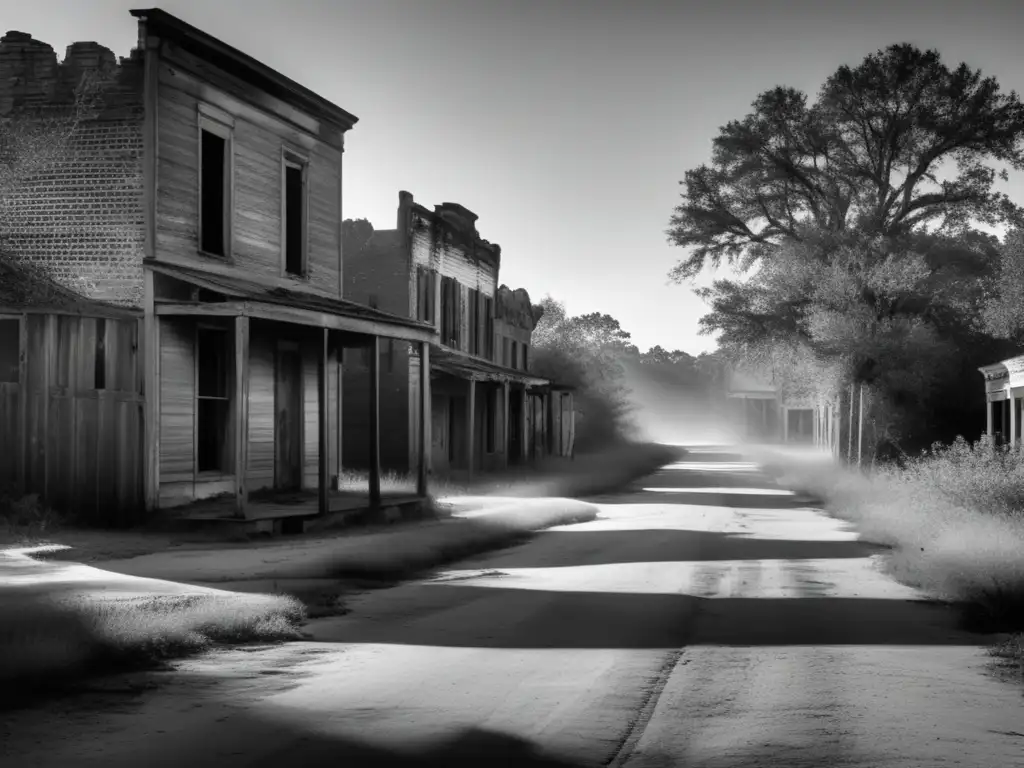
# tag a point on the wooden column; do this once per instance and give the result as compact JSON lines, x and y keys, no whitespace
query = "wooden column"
{"x":988,"y":417}
{"x":241,"y":413}
{"x":505,"y":419}
{"x":425,"y":421}
{"x":375,"y":421}
{"x":524,"y":442}
{"x":324,"y":423}
{"x":785,"y":423}
{"x":471,"y":427}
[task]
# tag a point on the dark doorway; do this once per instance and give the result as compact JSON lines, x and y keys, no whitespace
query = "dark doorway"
{"x":515,"y":426}
{"x":288,"y":418}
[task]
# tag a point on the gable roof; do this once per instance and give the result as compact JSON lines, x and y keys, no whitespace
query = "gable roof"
{"x":162,"y":24}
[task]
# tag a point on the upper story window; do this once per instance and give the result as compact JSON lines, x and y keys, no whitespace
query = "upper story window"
{"x":215,"y":182}
{"x":488,"y":310}
{"x":294,"y":174}
{"x":451,"y":312}
{"x":473,"y":324}
{"x":515,"y":355}
{"x":426,"y":283}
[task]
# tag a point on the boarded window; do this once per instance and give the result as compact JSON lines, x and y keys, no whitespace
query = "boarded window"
{"x":451,"y":314}
{"x":473,"y":308}
{"x":489,"y":327}
{"x":10,"y":349}
{"x":294,"y":217}
{"x":213,"y":193}
{"x":213,"y":401}
{"x":425,"y":287}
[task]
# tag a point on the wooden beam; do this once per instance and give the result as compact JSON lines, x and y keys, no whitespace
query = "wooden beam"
{"x":23,"y":387}
{"x":150,"y":330}
{"x":324,"y":422}
{"x":506,"y":421}
{"x":191,"y":309}
{"x":241,"y":413}
{"x":524,"y":442}
{"x":375,"y":422}
{"x":425,"y":420}
{"x":471,"y":427}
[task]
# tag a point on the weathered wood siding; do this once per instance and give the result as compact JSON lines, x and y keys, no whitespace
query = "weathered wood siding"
{"x":258,"y":140}
{"x":260,"y":472}
{"x":81,"y":447}
{"x":177,"y":401}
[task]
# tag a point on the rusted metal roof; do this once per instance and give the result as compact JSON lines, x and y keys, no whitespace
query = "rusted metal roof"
{"x":250,"y":290}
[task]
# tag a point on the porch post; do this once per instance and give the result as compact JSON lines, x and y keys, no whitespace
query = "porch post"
{"x":375,"y":421}
{"x":785,"y":423}
{"x":988,"y":416}
{"x":505,"y":419}
{"x":324,"y":422}
{"x":241,"y":413}
{"x":524,"y":442}
{"x":425,"y":421}
{"x":471,"y":427}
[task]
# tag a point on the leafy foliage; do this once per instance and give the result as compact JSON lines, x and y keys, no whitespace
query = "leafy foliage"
{"x":867,"y":155}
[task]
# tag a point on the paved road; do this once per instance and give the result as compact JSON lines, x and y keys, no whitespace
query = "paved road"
{"x":704,"y":620}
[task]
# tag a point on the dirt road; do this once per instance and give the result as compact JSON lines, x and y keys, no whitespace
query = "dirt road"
{"x":703,"y":620}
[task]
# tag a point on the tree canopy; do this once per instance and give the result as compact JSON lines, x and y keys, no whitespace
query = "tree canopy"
{"x":871,"y":154}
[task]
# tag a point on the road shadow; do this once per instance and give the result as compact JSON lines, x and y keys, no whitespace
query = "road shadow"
{"x":567,"y":548}
{"x":550,"y":619}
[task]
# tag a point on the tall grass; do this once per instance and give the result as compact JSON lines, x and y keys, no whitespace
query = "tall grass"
{"x":954,"y":518}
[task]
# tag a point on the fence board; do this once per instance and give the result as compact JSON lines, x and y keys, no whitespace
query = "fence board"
{"x":10,"y":434}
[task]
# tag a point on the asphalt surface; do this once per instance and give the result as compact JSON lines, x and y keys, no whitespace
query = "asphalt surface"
{"x":705,"y":619}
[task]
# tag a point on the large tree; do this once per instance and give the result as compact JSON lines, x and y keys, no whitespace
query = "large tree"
{"x":893,"y":145}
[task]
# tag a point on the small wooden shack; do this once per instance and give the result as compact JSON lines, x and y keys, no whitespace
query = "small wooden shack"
{"x":71,"y":398}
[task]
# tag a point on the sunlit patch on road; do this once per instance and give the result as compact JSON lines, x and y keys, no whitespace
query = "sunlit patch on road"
{"x":704,"y":466}
{"x":733,"y":491}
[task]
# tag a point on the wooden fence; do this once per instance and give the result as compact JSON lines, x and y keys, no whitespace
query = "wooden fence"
{"x":71,"y":428}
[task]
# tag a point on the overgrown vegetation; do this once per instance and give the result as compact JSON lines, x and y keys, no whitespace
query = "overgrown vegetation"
{"x":855,"y":223}
{"x":954,"y":518}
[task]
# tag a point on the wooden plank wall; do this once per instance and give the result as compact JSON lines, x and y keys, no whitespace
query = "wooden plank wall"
{"x":83,"y":446}
{"x":260,"y":473}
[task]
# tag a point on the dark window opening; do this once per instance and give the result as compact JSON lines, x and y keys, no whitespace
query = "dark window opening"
{"x":294,"y":216}
{"x":425,"y":285}
{"x":489,"y":328}
{"x":451,"y":315}
{"x":473,"y":301}
{"x":213,"y":400}
{"x":526,"y":358}
{"x":10,"y":350}
{"x":213,"y":193}
{"x":515,"y":355}
{"x":100,"y":370}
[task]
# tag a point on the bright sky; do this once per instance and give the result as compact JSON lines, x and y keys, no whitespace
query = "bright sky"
{"x":566,"y":125}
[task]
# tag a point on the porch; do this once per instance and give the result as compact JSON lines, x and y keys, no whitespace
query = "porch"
{"x":1004,"y":394}
{"x":247,"y":415}
{"x":484,"y":417}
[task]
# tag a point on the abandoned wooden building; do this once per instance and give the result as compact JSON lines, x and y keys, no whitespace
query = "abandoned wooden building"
{"x":764,"y":412}
{"x":204,"y":201}
{"x":1004,"y":393}
{"x":487,"y":410}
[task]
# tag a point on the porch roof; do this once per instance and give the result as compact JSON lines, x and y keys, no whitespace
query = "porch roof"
{"x":466,"y":367}
{"x":254,"y":299}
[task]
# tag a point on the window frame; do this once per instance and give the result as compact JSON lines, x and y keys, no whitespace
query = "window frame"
{"x":219,"y":123}
{"x":290,"y":158}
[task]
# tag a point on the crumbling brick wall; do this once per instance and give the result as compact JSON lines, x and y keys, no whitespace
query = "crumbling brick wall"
{"x":79,"y":215}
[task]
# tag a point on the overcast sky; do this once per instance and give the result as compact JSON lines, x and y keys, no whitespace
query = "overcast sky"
{"x":565,"y":125}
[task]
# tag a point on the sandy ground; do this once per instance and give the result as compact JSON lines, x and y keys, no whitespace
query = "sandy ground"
{"x":703,"y":620}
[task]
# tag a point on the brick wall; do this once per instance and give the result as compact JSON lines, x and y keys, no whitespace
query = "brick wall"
{"x":80,"y":213}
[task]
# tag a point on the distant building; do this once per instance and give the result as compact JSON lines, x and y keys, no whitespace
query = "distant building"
{"x":1004,"y":390}
{"x":486,"y":408}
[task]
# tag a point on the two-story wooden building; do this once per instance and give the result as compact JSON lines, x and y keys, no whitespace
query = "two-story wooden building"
{"x":486,"y":409}
{"x":227,"y":185}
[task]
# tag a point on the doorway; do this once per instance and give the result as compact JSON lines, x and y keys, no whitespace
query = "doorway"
{"x":288,"y":417}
